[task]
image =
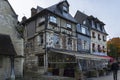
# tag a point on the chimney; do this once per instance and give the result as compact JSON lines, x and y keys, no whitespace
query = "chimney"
{"x":24,"y":18}
{"x":33,"y":11}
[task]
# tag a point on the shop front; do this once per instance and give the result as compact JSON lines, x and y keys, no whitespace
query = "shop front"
{"x":61,"y":63}
{"x":92,"y":65}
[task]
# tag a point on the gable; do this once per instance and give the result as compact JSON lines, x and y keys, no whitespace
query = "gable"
{"x":7,"y":8}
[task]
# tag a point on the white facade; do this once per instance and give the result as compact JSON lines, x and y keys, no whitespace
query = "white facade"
{"x":98,"y":41}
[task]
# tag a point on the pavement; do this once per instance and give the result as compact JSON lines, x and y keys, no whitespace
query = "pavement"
{"x":107,"y":77}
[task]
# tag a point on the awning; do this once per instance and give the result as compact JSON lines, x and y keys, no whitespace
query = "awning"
{"x":107,"y":57}
{"x":90,"y":56}
{"x":62,"y":51}
{"x":77,"y":54}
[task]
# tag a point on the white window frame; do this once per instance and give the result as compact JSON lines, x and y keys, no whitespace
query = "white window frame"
{"x":53,"y":19}
{"x":93,"y":24}
{"x":65,"y":8}
{"x":83,"y":30}
{"x":69,"y":25}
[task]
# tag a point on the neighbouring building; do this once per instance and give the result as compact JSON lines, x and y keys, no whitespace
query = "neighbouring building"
{"x":11,"y":45}
{"x":93,"y":34}
{"x":98,"y":37}
{"x":50,"y":40}
{"x":83,"y":39}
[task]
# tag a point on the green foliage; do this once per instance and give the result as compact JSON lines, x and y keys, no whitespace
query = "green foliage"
{"x":113,"y":46}
{"x":112,"y":50}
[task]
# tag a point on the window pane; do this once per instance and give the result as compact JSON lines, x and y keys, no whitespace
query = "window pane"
{"x":78,"y":28}
{"x":65,"y":8}
{"x":40,"y":39}
{"x":56,"y":39}
{"x":69,"y":43}
{"x":68,"y":26}
{"x":53,"y":19}
{"x":83,"y":30}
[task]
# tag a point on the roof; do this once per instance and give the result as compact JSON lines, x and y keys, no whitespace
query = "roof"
{"x":6,"y":46}
{"x":80,"y":17}
{"x":55,"y":9}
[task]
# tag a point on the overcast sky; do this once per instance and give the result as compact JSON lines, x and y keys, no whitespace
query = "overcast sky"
{"x":107,"y":11}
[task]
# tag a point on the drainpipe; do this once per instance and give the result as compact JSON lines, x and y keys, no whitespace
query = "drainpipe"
{"x":46,"y":54}
{"x":12,"y":72}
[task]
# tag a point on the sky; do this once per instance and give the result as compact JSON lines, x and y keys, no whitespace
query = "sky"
{"x":107,"y":11}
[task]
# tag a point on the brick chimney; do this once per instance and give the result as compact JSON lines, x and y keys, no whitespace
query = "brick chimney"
{"x":33,"y":11}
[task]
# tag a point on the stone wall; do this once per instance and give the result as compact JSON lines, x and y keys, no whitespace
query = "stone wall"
{"x":8,"y":24}
{"x":5,"y":69}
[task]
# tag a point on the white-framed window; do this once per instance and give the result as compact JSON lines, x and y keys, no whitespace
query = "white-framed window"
{"x":83,"y":30}
{"x":69,"y":25}
{"x":65,"y":8}
{"x":84,"y":22}
{"x":78,"y":28}
{"x":84,"y":45}
{"x":93,"y":24}
{"x":56,"y":39}
{"x":98,"y":26}
{"x":40,"y":39}
{"x":53,"y":19}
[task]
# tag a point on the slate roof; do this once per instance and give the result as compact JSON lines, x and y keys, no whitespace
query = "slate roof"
{"x":6,"y":46}
{"x":80,"y":17}
{"x":55,"y":9}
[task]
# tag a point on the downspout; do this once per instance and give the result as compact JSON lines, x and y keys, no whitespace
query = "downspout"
{"x":46,"y":54}
{"x":12,"y":72}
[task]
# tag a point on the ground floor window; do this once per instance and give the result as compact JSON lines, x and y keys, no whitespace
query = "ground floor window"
{"x":41,"y":60}
{"x":1,"y":61}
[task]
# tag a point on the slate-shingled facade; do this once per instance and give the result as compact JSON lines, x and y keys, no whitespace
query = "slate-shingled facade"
{"x":96,"y":38}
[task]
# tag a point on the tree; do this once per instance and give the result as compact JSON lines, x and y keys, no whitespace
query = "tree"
{"x":113,"y":46}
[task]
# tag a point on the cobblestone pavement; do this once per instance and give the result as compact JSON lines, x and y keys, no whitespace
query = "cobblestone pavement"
{"x":108,"y":77}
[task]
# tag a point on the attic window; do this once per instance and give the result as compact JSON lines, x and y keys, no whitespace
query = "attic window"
{"x":65,"y":9}
{"x":84,"y":22}
{"x":53,"y":19}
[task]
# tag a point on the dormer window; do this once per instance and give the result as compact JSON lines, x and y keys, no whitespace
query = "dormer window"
{"x":84,"y":22}
{"x":65,"y":9}
{"x":53,"y":19}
